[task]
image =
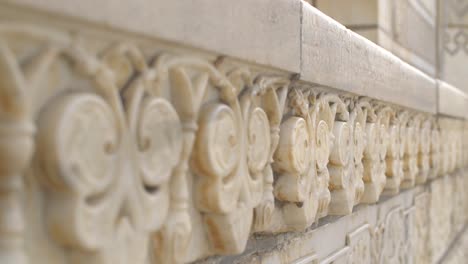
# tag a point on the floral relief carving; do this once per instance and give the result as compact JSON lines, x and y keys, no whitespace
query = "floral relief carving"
{"x":342,"y":182}
{"x":105,"y":184}
{"x":274,"y":93}
{"x":346,"y":183}
{"x":297,"y":184}
{"x":435,"y":152}
{"x":115,"y":152}
{"x":146,"y":154}
{"x":450,"y":135}
{"x":394,"y":158}
{"x":327,"y":110}
{"x":233,"y":153}
{"x":375,"y":154}
{"x":423,"y":152}
{"x":410,"y":159}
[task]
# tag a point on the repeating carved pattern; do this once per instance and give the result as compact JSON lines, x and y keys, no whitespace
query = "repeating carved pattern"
{"x":435,"y":152}
{"x":147,"y":155}
{"x":375,"y":153}
{"x":394,"y":158}
{"x":346,"y":183}
{"x":298,"y":177}
{"x":410,"y":161}
{"x":408,"y":234}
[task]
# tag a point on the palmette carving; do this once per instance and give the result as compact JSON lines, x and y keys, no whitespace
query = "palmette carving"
{"x":234,"y":150}
{"x":114,"y":151}
{"x":435,"y":153}
{"x":297,"y":184}
{"x":164,"y":158}
{"x":375,"y":154}
{"x":346,"y":168}
{"x":423,"y":152}
{"x":245,"y":177}
{"x":394,"y":158}
{"x":331,"y":111}
{"x":274,"y":92}
{"x":410,"y":158}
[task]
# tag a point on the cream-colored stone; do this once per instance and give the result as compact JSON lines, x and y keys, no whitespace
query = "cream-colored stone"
{"x":336,"y":57}
{"x":224,"y":27}
{"x":386,"y":23}
{"x":452,"y":101}
{"x":122,"y":149}
{"x":351,"y":13}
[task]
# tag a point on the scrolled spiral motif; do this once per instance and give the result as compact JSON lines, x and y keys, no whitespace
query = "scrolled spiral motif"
{"x":359,"y":143}
{"x":218,"y":146}
{"x":435,"y":159}
{"x":341,"y":150}
{"x":292,"y":158}
{"x":403,"y":138}
{"x":393,"y":149}
{"x":258,"y":138}
{"x":293,"y":153}
{"x":322,"y":142}
{"x":159,"y":141}
{"x":218,"y":140}
{"x":144,"y":138}
{"x":425,"y":139}
{"x":359,"y":146}
{"x":383,"y":142}
{"x":372,"y":151}
{"x":79,"y":131}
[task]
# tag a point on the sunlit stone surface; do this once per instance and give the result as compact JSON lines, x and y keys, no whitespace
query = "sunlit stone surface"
{"x":232,"y":132}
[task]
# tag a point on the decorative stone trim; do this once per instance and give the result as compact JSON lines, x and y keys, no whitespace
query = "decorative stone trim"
{"x":123,"y":150}
{"x":412,"y":227}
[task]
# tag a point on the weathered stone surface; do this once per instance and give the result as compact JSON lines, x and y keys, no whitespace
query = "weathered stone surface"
{"x":118,"y":147}
{"x":336,"y":57}
{"x":265,"y":32}
{"x":452,"y":101}
{"x":386,"y":23}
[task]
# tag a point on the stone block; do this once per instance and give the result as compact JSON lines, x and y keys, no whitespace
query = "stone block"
{"x":264,"y":32}
{"x":336,"y":57}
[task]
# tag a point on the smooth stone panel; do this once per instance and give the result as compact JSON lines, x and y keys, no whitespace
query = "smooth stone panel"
{"x":337,"y":57}
{"x":452,"y":101}
{"x":356,"y":12}
{"x":266,"y":32}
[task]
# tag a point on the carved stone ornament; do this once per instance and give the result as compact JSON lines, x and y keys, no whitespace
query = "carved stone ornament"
{"x":119,"y":151}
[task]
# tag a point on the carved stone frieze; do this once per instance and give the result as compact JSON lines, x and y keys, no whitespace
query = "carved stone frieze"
{"x":122,"y":151}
